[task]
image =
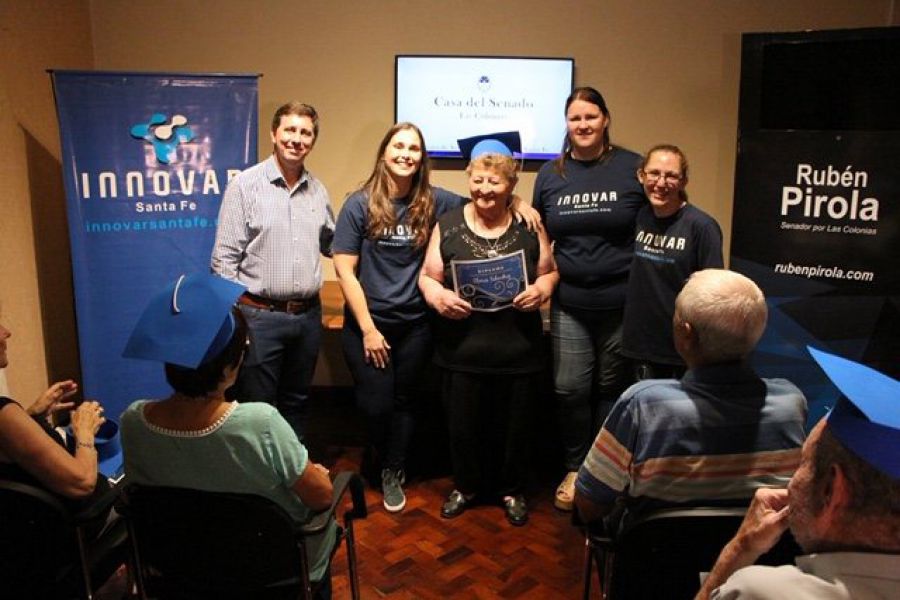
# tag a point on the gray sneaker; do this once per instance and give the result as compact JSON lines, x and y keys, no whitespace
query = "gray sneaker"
{"x":391,"y":482}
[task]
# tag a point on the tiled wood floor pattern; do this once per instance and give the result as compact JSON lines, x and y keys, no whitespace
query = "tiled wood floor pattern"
{"x":417,"y":554}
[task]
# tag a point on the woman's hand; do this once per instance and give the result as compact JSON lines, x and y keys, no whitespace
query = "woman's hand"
{"x":530,"y":300}
{"x":451,"y":306}
{"x":376,"y":349}
{"x":54,"y":399}
{"x":86,"y":420}
{"x":526,"y":213}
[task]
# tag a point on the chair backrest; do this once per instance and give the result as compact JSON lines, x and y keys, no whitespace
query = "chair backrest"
{"x":38,"y":544}
{"x":212,"y":544}
{"x":661,"y":554}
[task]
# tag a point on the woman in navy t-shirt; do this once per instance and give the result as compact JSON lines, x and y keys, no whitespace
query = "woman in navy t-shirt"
{"x":588,"y":199}
{"x":379,"y":245}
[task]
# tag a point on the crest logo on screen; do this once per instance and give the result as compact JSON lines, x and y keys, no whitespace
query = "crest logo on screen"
{"x":484,"y":84}
{"x":164,"y":136}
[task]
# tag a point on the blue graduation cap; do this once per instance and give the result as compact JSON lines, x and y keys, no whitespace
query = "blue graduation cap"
{"x":866,"y":419}
{"x":507,"y":143}
{"x":187,"y":323}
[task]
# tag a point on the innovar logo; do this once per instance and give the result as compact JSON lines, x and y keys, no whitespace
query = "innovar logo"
{"x":164,"y":138}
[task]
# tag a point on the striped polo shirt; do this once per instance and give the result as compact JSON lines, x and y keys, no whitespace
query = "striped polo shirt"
{"x":713,"y":437}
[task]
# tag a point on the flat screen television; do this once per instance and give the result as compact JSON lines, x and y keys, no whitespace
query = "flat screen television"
{"x":454,"y":97}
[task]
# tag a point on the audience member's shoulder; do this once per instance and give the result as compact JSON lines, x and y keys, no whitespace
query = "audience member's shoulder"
{"x":4,"y":401}
{"x":650,"y":390}
{"x":132,"y":416}
{"x":134,"y":409}
{"x":773,"y":583}
{"x":779,"y":385}
{"x":255,"y":410}
{"x":255,"y":415}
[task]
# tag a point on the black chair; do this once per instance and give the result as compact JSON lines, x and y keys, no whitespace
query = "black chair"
{"x":195,"y":544}
{"x":661,"y":554}
{"x":49,"y":551}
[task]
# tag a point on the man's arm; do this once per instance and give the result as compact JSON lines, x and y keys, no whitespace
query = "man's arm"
{"x":765,"y":521}
{"x":326,"y":234}
{"x":605,"y":474}
{"x":232,"y":234}
{"x":591,"y":511}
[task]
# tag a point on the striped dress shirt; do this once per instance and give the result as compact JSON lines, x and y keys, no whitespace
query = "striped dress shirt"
{"x":269,"y":237}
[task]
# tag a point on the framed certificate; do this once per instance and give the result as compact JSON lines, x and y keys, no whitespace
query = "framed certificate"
{"x":490,"y":284}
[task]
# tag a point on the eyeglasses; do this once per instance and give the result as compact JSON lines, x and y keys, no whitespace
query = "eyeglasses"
{"x":654,"y":176}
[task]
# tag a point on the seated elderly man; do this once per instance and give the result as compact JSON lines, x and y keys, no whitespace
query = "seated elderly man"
{"x":714,"y":436}
{"x":842,"y":505}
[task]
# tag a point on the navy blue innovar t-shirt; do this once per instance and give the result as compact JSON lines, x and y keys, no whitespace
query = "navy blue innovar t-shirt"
{"x":389,"y":264}
{"x":590,"y":215}
{"x":667,"y":251}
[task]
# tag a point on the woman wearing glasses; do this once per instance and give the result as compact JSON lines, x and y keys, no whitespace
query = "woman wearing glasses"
{"x":673,"y":239}
{"x":588,"y":198}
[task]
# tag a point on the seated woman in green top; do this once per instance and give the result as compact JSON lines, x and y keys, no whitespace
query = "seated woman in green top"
{"x":198,"y":439}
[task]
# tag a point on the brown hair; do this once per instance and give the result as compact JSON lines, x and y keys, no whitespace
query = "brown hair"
{"x":673,"y":149}
{"x":587,"y":94}
{"x":382,"y":215}
{"x":295,"y":107}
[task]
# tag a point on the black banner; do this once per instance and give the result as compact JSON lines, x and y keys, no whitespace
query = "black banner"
{"x":816,"y":225}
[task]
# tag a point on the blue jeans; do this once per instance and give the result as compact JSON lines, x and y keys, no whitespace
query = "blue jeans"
{"x":281,"y":361}
{"x":387,"y":396}
{"x":589,"y":374}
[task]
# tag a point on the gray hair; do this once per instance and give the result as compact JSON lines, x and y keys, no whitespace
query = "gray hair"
{"x":726,"y":310}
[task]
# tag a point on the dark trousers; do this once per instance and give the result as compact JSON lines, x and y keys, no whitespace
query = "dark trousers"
{"x":490,"y":422}
{"x":387,"y":396}
{"x":280,"y":362}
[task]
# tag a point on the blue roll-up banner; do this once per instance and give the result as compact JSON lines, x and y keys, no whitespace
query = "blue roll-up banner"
{"x":145,"y":159}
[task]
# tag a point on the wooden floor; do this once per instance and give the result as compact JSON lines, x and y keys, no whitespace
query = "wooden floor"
{"x":417,"y":554}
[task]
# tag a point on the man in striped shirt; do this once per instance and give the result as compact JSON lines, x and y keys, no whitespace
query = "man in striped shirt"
{"x":274,"y":224}
{"x":712,"y":437}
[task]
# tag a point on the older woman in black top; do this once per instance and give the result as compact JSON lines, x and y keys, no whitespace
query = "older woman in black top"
{"x":488,"y":341}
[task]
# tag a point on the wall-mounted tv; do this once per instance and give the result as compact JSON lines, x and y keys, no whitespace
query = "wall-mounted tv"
{"x":454,"y":97}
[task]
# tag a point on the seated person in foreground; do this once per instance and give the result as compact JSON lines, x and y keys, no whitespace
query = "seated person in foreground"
{"x":32,"y":452}
{"x":196,"y":438}
{"x":714,"y":436}
{"x":842,"y":504}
